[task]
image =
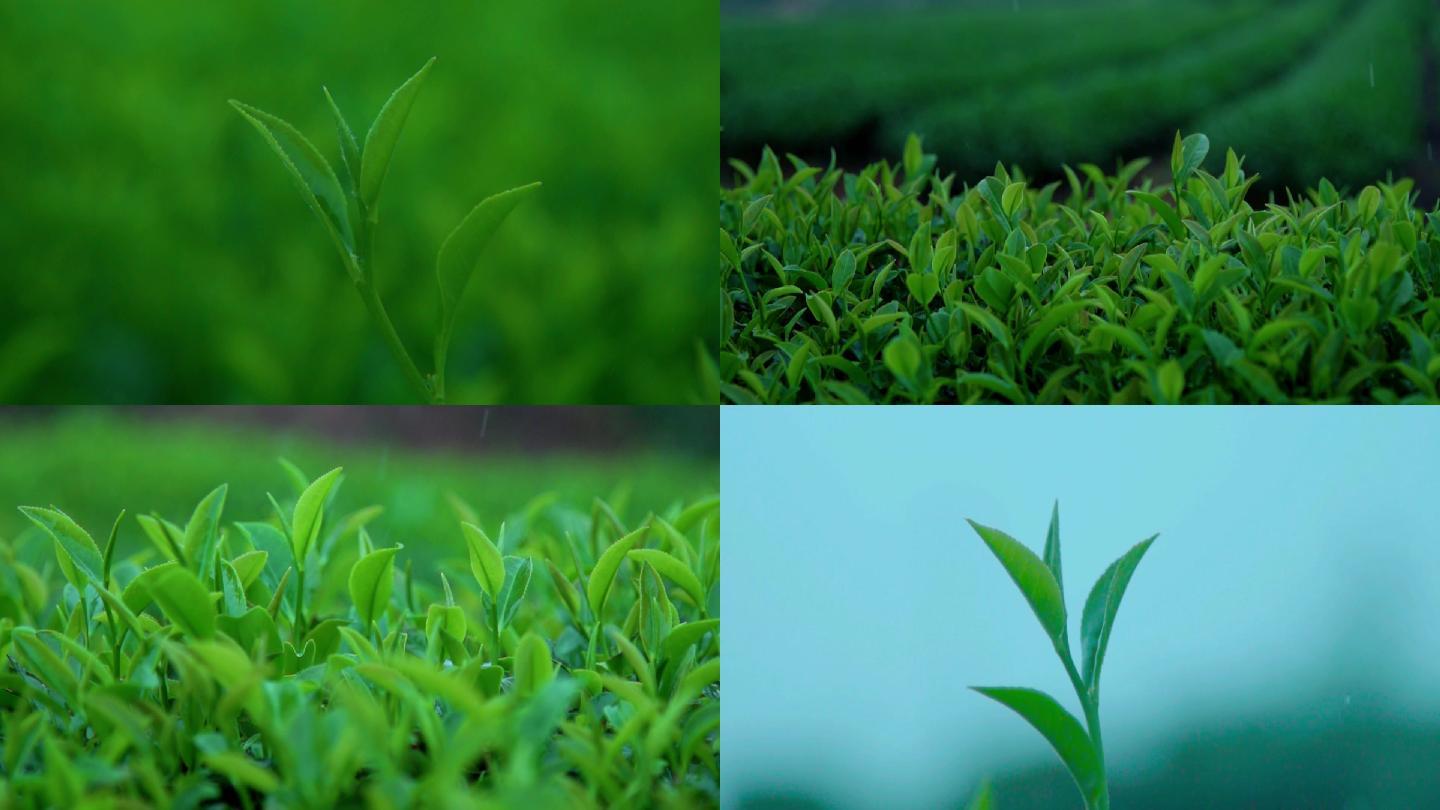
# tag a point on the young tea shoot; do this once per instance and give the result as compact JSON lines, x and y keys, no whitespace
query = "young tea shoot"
{"x":293,"y":660}
{"x":1040,"y":582}
{"x":348,"y":206}
{"x":895,"y":284}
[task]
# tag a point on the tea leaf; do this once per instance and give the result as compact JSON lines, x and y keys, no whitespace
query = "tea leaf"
{"x":597,"y":587}
{"x":309,"y":514}
{"x":1030,"y":575}
{"x":312,"y":174}
{"x":1061,"y":730}
{"x":532,"y":664}
{"x":380,"y":141}
{"x":1100,"y":609}
{"x":202,"y":533}
{"x":672,"y":569}
{"x":371,"y":580}
{"x":75,"y":549}
{"x":486,"y":562}
{"x":459,"y":254}
{"x":184,"y":601}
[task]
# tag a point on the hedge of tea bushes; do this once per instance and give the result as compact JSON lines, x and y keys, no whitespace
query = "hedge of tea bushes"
{"x":1353,"y":111}
{"x":899,"y":284}
{"x":1104,"y":109}
{"x":290,"y":660}
{"x":781,"y":77}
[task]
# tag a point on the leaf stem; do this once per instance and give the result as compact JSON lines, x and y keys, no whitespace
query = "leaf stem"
{"x":396,"y":346}
{"x":1092,"y":721}
{"x":299,"y":608}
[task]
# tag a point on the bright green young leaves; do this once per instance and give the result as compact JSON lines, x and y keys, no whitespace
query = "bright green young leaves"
{"x":308,"y":515}
{"x":219,"y":685}
{"x":486,"y":563}
{"x":371,"y":582}
{"x":1039,"y":580}
{"x":350,"y":212}
{"x":384,"y":133}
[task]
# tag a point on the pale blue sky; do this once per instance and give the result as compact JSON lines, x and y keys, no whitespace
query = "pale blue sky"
{"x":1298,"y":564}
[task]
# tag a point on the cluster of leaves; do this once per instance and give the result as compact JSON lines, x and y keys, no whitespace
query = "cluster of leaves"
{"x":242,"y":664}
{"x":1041,"y":583}
{"x":893,"y":285}
{"x":350,"y":212}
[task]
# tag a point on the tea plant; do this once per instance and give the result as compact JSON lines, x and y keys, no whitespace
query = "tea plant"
{"x":348,"y":207}
{"x":295,"y":662}
{"x":895,"y":284}
{"x":1042,"y":585}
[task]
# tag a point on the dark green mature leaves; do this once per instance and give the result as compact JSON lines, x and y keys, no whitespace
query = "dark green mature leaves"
{"x":1031,"y":575}
{"x":384,"y":133}
{"x":1100,"y":609}
{"x":1061,"y":730}
{"x":876,"y":286}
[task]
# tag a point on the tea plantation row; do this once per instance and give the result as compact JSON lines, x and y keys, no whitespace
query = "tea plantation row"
{"x":1295,"y":85}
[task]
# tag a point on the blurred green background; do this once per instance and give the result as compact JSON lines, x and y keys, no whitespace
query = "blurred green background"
{"x":154,"y":250}
{"x":1344,"y":89}
{"x":504,"y":462}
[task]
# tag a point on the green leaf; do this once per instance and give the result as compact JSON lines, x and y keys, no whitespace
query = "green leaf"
{"x":308,"y":515}
{"x":460,"y":253}
{"x":1061,"y":730}
{"x":1171,"y":377}
{"x":674,"y":570}
{"x":380,"y":141}
{"x":486,"y":562}
{"x":533,"y":667}
{"x":597,"y":587}
{"x":79,"y":557}
{"x":371,"y":581}
{"x":1031,"y":576}
{"x":202,"y":534}
{"x":349,"y":147}
{"x":312,"y":174}
{"x":518,"y":571}
{"x":185,"y":602}
{"x":1052,"y":549}
{"x":1100,"y":609}
{"x":1167,"y":214}
{"x":1188,"y":156}
{"x":164,"y":534}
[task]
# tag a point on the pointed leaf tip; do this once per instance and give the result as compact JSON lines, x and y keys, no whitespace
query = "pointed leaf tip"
{"x":1030,"y":574}
{"x":1101,"y":607}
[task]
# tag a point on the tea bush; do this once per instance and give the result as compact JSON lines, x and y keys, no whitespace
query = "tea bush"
{"x":896,"y":284}
{"x":291,"y":660}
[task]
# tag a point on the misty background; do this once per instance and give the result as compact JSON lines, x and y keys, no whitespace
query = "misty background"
{"x":1276,"y":648}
